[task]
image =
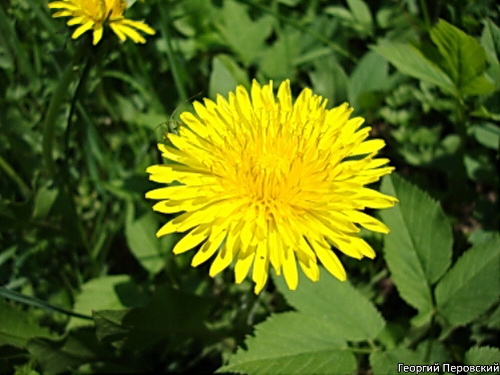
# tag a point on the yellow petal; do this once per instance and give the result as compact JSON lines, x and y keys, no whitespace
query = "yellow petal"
{"x":191,"y":240}
{"x":80,"y":30}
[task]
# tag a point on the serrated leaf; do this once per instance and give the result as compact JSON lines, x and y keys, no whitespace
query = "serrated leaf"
{"x":409,"y":60}
{"x":472,"y":284}
{"x":345,"y":309}
{"x":105,"y":293}
{"x":464,"y":60}
{"x":293,"y":343}
{"x":17,"y":327}
{"x":418,"y":248}
{"x":386,"y":363}
{"x":482,"y":355}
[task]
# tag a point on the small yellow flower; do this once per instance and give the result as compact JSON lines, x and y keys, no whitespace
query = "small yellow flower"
{"x":95,"y":14}
{"x":265,"y":181}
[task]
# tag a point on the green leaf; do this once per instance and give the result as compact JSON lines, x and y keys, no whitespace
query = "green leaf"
{"x":277,"y":60}
{"x":463,"y":59}
{"x":329,"y":79}
{"x":418,"y":248}
{"x":361,"y":13}
{"x":109,"y":292}
{"x":386,"y":363}
{"x":293,"y":343}
{"x":427,"y":353}
{"x":18,"y":327}
{"x":369,"y":75}
{"x":488,"y":134}
{"x":490,"y":40}
{"x":245,"y":36}
{"x":225,"y":76}
{"x":142,"y":241}
{"x":472,"y":284}
{"x":482,"y":355}
{"x":170,"y":312}
{"x":411,"y":61}
{"x":354,"y":316}
{"x":57,"y":357}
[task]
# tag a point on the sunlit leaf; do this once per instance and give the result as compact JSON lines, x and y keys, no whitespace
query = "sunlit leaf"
{"x":418,"y":248}
{"x":344,"y":308}
{"x":293,"y":343}
{"x":472,"y":284}
{"x":411,"y":61}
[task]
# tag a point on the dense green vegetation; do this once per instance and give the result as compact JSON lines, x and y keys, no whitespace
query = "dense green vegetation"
{"x":88,"y":288}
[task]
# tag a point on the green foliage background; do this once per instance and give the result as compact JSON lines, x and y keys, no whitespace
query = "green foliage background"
{"x":87,"y":287}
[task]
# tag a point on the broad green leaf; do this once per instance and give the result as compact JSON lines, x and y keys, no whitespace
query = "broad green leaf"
{"x":463,"y":59}
{"x":109,"y":292}
{"x":142,"y":241}
{"x":361,"y":12}
{"x":346,"y":310}
{"x":293,"y":343}
{"x":386,"y":363}
{"x":418,"y":248}
{"x":225,"y":76}
{"x":245,"y":36}
{"x":490,"y":40}
{"x":170,"y":312}
{"x":488,"y":134}
{"x":277,"y":60}
{"x":482,"y":355}
{"x":427,"y":353}
{"x":17,"y":326}
{"x":472,"y":284}
{"x":329,"y":79}
{"x":369,"y":75}
{"x":493,"y":320}
{"x":409,"y":60}
{"x":57,"y":357}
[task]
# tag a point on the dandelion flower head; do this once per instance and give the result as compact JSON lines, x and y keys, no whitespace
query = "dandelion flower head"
{"x":264,"y":181}
{"x":96,"y":14}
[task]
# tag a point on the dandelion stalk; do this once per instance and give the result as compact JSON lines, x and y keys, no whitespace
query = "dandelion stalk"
{"x":58,"y":98}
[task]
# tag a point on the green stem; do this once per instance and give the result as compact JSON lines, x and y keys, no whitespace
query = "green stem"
{"x":425,"y":14}
{"x":9,"y":171}
{"x":56,"y":102}
{"x":179,"y":84}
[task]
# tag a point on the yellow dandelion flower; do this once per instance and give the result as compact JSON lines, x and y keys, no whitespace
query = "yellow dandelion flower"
{"x":95,"y":14}
{"x":265,"y":181}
